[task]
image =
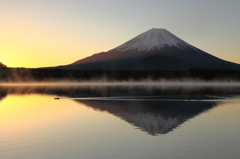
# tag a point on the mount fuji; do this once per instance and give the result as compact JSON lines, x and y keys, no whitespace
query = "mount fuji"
{"x":155,"y":49}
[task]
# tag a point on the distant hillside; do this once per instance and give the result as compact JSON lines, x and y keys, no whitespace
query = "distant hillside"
{"x":3,"y":72}
{"x":2,"y":65}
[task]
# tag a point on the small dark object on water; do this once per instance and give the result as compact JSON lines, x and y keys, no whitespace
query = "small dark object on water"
{"x":56,"y":98}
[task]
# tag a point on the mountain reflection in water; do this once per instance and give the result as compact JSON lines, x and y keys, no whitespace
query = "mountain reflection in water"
{"x":153,"y":115}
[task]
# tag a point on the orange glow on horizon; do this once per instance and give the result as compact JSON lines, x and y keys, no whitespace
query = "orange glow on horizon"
{"x":26,"y":43}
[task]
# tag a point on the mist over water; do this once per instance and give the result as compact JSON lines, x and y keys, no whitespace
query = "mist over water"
{"x":111,"y":89}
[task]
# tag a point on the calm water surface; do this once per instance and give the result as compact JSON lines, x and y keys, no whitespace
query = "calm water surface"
{"x":119,"y":121}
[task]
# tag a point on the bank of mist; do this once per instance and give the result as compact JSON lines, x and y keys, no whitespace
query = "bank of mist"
{"x":55,"y":75}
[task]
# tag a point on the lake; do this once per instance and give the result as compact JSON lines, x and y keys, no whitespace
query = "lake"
{"x":120,"y":121}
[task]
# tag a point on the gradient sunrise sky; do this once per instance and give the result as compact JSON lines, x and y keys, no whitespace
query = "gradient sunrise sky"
{"x":40,"y":33}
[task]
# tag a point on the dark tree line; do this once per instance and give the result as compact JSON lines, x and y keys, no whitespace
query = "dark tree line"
{"x":25,"y":74}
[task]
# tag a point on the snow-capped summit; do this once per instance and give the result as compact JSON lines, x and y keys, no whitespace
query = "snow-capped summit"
{"x":151,"y":40}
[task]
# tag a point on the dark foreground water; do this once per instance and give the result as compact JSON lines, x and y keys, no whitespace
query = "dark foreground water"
{"x":119,"y":121}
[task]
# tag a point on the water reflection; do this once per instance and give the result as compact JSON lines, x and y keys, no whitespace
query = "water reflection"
{"x":154,"y":109}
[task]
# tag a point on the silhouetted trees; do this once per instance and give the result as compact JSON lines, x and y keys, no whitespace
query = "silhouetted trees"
{"x":24,"y":74}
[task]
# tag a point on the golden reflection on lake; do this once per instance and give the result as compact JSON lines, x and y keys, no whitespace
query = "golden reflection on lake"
{"x":37,"y":111}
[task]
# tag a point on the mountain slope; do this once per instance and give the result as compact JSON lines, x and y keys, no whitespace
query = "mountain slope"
{"x":136,"y":54}
{"x":153,"y":62}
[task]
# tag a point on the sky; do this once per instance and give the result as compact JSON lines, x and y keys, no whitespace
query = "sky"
{"x":42,"y":33}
